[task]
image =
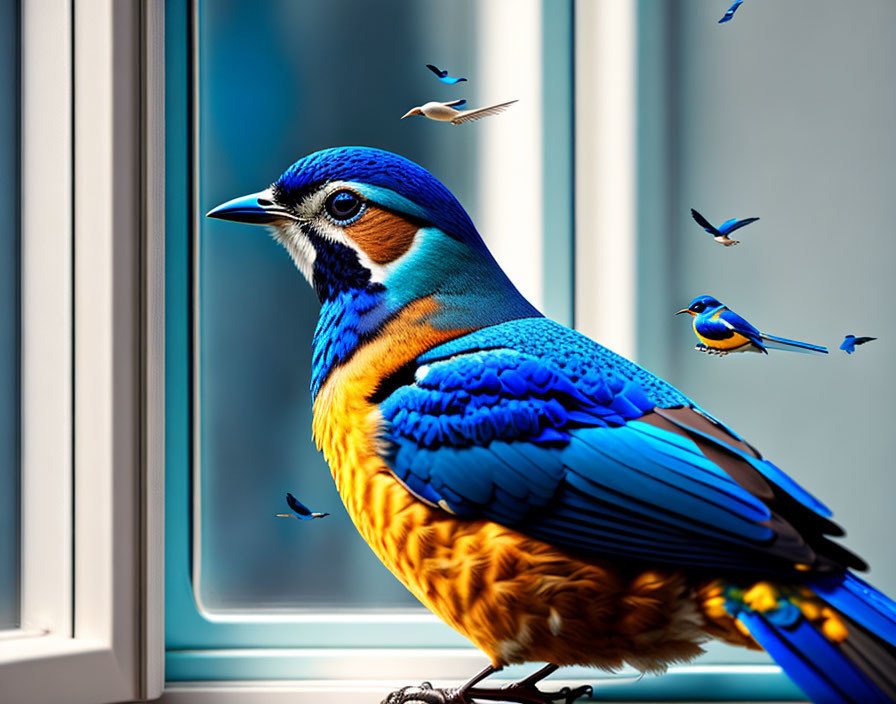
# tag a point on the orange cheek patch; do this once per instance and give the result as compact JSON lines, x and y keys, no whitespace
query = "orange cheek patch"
{"x":382,"y":235}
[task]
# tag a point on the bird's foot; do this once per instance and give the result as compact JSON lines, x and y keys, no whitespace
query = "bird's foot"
{"x":700,"y":347}
{"x":425,"y":693}
{"x":522,"y":692}
{"x":529,"y":694}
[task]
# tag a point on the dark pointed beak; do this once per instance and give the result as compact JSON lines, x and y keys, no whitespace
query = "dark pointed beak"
{"x":683,"y":310}
{"x":254,"y":209}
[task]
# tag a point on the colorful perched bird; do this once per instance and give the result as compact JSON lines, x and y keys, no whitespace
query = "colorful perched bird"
{"x":443,"y":76}
{"x":721,"y":233}
{"x":546,"y":497}
{"x":729,"y":15}
{"x":720,"y":330}
{"x":447,"y":112}
{"x":300,"y":510}
{"x":850,"y":341}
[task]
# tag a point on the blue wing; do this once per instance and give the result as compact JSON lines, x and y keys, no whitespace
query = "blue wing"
{"x":536,"y":427}
{"x":734,"y":322}
{"x":849,"y":344}
{"x":297,"y":506}
{"x":729,"y":15}
{"x":733,"y":224}
{"x":704,"y":223}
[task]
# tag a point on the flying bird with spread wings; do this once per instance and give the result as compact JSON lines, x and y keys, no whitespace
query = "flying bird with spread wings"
{"x":450,"y":112}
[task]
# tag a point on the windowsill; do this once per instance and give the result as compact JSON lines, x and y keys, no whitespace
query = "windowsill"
{"x":740,"y":683}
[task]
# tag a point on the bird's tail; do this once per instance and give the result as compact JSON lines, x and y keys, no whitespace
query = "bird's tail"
{"x":782,"y":343}
{"x":834,"y":636}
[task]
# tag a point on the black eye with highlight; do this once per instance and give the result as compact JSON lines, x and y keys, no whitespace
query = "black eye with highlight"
{"x":698,"y":307}
{"x":344,"y":207}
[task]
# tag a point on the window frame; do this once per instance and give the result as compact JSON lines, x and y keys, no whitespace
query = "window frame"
{"x":91,"y":371}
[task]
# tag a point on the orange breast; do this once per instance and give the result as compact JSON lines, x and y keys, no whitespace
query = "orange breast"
{"x":516,"y":598}
{"x":734,"y":342}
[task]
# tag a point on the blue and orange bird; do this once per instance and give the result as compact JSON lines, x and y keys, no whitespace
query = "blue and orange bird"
{"x":721,"y":331}
{"x":850,"y":341}
{"x":549,"y":499}
{"x":720,"y":233}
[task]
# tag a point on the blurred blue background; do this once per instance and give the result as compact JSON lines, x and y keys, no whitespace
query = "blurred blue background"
{"x":9,"y":315}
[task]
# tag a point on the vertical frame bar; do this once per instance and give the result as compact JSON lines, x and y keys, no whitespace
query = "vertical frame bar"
{"x":153,"y":372}
{"x":510,"y":151}
{"x":605,"y":172}
{"x":47,"y":314}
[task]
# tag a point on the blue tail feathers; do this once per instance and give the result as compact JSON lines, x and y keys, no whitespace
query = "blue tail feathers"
{"x":835,"y":636}
{"x":782,"y":343}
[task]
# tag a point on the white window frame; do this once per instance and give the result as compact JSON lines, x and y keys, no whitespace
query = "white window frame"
{"x":91,"y":581}
{"x":605,"y":172}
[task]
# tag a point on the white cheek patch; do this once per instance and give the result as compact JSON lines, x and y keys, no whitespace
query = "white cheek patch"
{"x":299,"y":247}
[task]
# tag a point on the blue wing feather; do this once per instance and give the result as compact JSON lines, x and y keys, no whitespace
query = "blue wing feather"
{"x":740,"y":325}
{"x":536,"y":427}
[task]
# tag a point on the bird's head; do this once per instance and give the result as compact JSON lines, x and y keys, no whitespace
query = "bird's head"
{"x":357,"y":218}
{"x":699,"y":305}
{"x":412,"y":111}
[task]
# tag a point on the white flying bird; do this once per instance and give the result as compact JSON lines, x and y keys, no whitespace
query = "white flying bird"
{"x":448,"y":112}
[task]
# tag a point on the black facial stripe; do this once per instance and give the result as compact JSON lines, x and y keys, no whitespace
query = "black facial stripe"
{"x":336,"y":267}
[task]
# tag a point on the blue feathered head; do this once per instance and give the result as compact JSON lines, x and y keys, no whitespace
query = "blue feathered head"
{"x":357,"y":217}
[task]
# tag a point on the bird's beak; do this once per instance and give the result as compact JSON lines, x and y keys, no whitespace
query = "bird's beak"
{"x":254,"y":209}
{"x":412,"y":111}
{"x":683,"y":310}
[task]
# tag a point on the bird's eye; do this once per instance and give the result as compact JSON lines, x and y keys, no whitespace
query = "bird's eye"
{"x":697,"y":307}
{"x":343,"y":207}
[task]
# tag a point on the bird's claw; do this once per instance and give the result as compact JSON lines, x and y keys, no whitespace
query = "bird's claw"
{"x":585,"y":690}
{"x":567,"y":695}
{"x":424,"y":693}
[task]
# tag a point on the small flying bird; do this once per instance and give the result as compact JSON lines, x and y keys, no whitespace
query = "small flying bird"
{"x":720,"y":330}
{"x":850,"y":341}
{"x":721,"y":233}
{"x":443,"y":76}
{"x":731,"y":10}
{"x":302,"y":512}
{"x":448,"y":112}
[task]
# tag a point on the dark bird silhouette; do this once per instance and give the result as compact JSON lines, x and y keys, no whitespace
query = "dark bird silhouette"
{"x":302,"y":512}
{"x":443,"y":76}
{"x":729,"y":15}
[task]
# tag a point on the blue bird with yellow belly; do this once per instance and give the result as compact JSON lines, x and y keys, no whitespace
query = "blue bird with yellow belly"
{"x":721,"y":331}
{"x":549,"y":499}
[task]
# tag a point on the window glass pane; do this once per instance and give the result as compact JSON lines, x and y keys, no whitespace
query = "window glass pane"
{"x":9,"y":315}
{"x":275,"y":85}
